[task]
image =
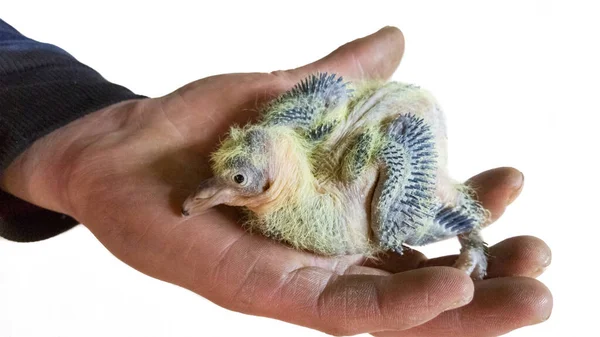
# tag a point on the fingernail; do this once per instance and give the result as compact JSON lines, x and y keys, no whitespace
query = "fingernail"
{"x":547,"y":261}
{"x":538,"y":272}
{"x":517,"y":187}
{"x":546,"y":318}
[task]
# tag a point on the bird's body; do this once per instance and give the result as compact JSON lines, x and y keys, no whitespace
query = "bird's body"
{"x":352,"y":171}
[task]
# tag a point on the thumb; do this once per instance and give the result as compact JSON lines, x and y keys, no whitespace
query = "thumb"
{"x":375,"y":56}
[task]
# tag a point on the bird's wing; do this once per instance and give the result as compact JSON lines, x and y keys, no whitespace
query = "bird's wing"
{"x":466,"y":214}
{"x":404,"y":198}
{"x":307,"y":106}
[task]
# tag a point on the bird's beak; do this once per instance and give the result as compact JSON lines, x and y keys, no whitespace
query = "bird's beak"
{"x":210,"y":193}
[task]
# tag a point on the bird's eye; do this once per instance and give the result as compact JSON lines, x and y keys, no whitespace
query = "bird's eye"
{"x":239,"y":178}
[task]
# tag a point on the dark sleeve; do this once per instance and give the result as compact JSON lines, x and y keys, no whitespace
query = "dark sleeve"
{"x":42,"y":88}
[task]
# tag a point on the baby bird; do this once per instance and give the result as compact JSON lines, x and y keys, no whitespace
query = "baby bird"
{"x":347,"y":168}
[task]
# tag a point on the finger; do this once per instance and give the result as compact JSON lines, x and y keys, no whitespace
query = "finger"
{"x":499,"y":306}
{"x":372,"y":57}
{"x":497,"y":188}
{"x":519,"y":256}
{"x":353,"y":304}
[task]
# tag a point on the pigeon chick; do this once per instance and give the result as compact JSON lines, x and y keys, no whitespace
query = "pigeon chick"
{"x":347,"y":168}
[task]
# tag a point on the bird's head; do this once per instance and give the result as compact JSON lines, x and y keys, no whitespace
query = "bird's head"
{"x":241,"y":168}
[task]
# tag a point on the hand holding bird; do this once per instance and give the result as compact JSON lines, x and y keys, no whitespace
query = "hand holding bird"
{"x":124,"y":172}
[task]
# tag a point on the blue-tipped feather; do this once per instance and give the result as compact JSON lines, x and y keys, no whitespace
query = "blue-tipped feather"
{"x":406,"y":196}
{"x":306,"y":101}
{"x":455,"y":219}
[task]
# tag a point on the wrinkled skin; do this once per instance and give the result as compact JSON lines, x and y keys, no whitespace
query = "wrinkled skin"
{"x":125,"y":170}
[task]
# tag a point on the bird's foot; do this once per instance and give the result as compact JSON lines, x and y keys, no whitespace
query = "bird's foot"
{"x":473,"y":261}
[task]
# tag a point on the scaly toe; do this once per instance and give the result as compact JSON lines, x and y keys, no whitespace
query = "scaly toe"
{"x":473,"y":262}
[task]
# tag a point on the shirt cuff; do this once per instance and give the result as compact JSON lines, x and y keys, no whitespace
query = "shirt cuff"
{"x":42,"y":88}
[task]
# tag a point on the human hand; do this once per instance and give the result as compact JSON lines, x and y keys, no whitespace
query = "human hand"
{"x":124,"y":171}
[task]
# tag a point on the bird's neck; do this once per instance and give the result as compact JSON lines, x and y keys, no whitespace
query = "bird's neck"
{"x":291,"y":175}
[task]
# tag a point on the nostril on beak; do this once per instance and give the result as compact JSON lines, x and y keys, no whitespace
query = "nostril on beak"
{"x":185,"y":212}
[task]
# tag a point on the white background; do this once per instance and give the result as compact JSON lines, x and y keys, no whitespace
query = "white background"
{"x":518,"y":81}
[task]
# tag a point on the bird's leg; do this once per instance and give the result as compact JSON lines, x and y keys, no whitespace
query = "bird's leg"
{"x":465,"y":219}
{"x":357,"y":156}
{"x":472,"y":258}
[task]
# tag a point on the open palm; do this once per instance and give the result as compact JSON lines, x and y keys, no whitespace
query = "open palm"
{"x":127,"y":169}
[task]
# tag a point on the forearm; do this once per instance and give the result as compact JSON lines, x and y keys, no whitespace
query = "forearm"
{"x":42,"y":89}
